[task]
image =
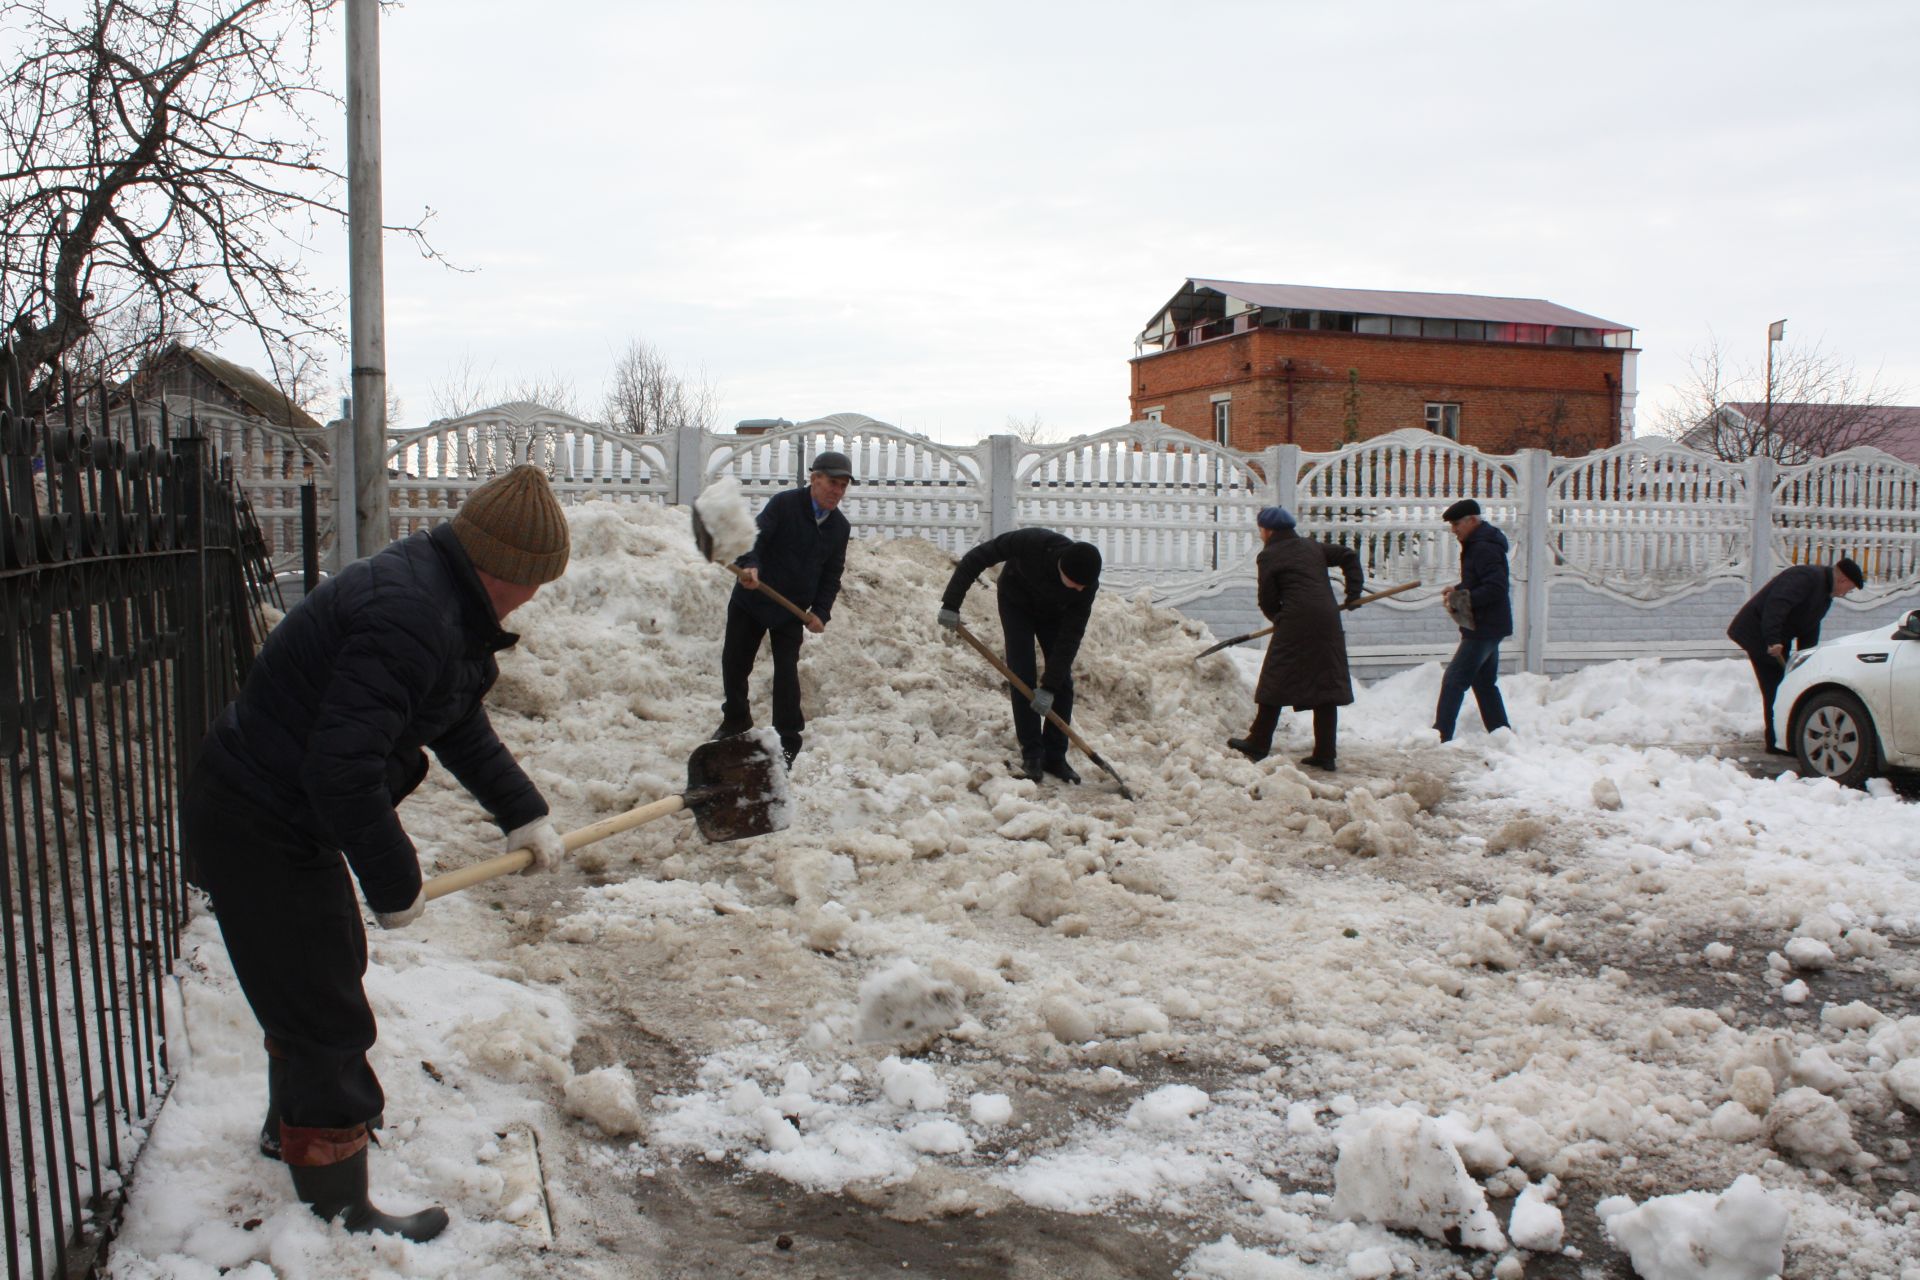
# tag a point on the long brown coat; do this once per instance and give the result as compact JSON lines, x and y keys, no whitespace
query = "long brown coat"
{"x":1306,"y":663}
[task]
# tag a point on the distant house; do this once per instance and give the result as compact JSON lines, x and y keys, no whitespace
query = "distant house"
{"x":1253,"y":365}
{"x":1792,"y":431}
{"x":181,"y":374}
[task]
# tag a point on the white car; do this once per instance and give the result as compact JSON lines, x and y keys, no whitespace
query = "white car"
{"x":1850,"y":708}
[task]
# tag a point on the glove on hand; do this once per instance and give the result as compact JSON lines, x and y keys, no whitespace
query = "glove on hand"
{"x":1042,"y":702}
{"x":950,"y":619}
{"x":406,"y":915}
{"x":541,"y":840}
{"x":1353,"y":600}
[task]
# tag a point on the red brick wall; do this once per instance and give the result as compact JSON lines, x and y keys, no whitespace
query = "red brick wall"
{"x":1509,"y":396}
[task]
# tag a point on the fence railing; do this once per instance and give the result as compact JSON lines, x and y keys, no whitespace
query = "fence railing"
{"x":1644,"y":522}
{"x":130,"y":576}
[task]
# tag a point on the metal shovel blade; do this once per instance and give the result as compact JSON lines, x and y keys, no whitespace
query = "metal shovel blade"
{"x":737,"y":787}
{"x":702,"y":536}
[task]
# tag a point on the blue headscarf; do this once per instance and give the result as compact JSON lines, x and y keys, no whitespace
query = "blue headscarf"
{"x":1275,"y":518}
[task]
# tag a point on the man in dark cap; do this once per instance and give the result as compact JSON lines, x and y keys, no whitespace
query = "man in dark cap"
{"x":800,"y":552}
{"x":1784,"y":614}
{"x":1046,"y":594}
{"x":296,"y":792}
{"x":1483,"y":610}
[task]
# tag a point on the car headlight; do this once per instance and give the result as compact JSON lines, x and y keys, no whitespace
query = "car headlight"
{"x":1797,"y":659}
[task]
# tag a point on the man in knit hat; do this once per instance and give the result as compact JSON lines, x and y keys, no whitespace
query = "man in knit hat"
{"x":800,"y":552}
{"x":1784,"y":614}
{"x":1045,"y":594}
{"x":296,"y":792}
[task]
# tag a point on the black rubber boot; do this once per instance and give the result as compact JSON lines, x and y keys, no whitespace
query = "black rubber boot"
{"x":1033,"y":766}
{"x":270,"y":1127}
{"x":730,"y":728}
{"x":340,"y":1191}
{"x":1259,"y":739}
{"x":1059,"y":768}
{"x":1248,"y":749}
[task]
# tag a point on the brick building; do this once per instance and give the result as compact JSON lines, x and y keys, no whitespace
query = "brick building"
{"x":1254,"y":365}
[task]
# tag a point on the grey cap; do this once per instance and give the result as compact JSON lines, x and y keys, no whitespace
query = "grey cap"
{"x":833,"y":463}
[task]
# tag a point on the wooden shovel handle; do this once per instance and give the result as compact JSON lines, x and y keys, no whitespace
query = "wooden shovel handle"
{"x":1053,"y":717}
{"x":520,"y":859}
{"x":804,"y":615}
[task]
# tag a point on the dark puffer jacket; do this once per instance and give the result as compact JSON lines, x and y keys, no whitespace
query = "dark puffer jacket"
{"x":1030,"y":587}
{"x":1306,"y":662}
{"x":1483,"y":576}
{"x":1787,"y":611}
{"x":798,"y":556}
{"x":392,"y":655}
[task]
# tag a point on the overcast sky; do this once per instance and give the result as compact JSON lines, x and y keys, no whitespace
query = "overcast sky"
{"x":945,"y":216}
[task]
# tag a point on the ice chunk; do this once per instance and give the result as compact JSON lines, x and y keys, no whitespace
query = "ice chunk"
{"x":1696,"y":1235}
{"x":1397,"y":1168}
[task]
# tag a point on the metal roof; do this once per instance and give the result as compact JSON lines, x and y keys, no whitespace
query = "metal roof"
{"x":1388,"y":302}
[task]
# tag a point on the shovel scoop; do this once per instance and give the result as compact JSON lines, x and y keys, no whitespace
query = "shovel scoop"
{"x":724,"y":531}
{"x":736,"y":787}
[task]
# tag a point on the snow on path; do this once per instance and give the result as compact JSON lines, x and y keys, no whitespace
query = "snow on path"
{"x":1166,"y":1007}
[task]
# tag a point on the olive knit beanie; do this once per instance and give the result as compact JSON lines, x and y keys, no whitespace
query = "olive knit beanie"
{"x":513,"y":528}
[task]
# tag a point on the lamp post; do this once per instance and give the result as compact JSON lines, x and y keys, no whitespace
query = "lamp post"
{"x":1775,"y":332}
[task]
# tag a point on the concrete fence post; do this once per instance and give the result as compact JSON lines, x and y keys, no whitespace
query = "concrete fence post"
{"x":1536,"y":466}
{"x":1760,"y":469}
{"x":689,"y":458}
{"x":1282,"y":462}
{"x":999,"y":483}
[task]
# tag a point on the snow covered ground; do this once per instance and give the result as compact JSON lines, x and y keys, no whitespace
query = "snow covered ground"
{"x":1258,"y":1024}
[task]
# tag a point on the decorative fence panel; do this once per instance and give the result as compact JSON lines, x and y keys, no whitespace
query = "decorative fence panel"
{"x":1860,"y":503}
{"x":1647,"y":519}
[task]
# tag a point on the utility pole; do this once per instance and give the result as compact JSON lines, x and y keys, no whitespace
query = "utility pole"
{"x":1775,"y":331}
{"x":367,"y":277}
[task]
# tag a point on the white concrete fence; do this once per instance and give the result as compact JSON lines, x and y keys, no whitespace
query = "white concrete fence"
{"x":1645,"y":549}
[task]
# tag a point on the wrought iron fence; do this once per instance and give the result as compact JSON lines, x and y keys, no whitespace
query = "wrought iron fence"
{"x":132,"y":580}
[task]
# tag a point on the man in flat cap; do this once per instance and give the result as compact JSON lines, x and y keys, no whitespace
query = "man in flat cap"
{"x":296,"y":792}
{"x":801,"y":551}
{"x":1784,"y":614}
{"x":1483,"y":610}
{"x":1045,"y":594}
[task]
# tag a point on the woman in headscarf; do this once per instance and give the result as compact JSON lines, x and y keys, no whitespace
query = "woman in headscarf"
{"x":1306,"y":664}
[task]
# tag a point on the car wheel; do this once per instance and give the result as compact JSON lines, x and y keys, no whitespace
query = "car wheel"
{"x":1834,"y":739}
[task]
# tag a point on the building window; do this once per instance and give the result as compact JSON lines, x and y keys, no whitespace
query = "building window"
{"x":1444,"y":419}
{"x":1153,"y":414}
{"x":1222,"y":421}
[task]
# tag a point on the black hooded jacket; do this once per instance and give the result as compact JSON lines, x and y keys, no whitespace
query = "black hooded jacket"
{"x":1786,"y":611}
{"x":392,"y":655}
{"x":1030,"y":584}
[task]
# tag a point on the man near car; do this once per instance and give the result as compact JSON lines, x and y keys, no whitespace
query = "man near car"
{"x":1481,"y":598}
{"x":298,"y":785}
{"x":1783,"y":615}
{"x":801,"y":551}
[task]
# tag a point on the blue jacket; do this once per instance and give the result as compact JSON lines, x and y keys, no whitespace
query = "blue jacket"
{"x":391,"y":655}
{"x":797,"y":557}
{"x":1483,"y":575}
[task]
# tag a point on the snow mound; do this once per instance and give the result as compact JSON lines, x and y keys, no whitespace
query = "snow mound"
{"x":1696,"y":1235}
{"x":608,"y":1098}
{"x":904,"y":1004}
{"x":1397,"y":1168}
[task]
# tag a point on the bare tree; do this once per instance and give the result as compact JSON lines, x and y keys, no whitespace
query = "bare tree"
{"x":466,"y":388}
{"x":1820,"y":405}
{"x":1031,"y":429}
{"x":161,"y":170}
{"x":646,"y":395}
{"x":553,"y":391}
{"x":1553,"y":428}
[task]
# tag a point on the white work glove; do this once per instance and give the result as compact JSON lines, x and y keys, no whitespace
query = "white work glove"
{"x":1042,"y":702}
{"x":950,"y":619}
{"x":406,"y":915}
{"x":541,"y":840}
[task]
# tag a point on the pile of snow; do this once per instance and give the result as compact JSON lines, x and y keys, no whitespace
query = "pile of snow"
{"x":946,"y":989}
{"x":1696,"y":1235}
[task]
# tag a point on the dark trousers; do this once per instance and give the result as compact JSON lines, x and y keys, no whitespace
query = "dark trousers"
{"x":1021,"y":629}
{"x":1769,"y":671}
{"x":1476,"y":666}
{"x":1326,"y":729}
{"x":737,"y":655}
{"x":291,"y":920}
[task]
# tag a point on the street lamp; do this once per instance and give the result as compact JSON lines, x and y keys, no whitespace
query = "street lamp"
{"x":1775,"y":332}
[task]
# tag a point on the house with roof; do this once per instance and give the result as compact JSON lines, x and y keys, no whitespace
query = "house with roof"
{"x":1252,"y":365}
{"x":182,"y":376}
{"x":1797,"y":431}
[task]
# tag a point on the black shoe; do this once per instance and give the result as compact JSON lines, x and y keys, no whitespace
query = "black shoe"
{"x":270,"y":1127}
{"x":1318,"y":762}
{"x":1059,"y":768}
{"x":1247,"y":749}
{"x":340,"y":1191}
{"x":790,"y":747}
{"x":1033,"y":766}
{"x":1778,"y":751}
{"x":730,"y":729}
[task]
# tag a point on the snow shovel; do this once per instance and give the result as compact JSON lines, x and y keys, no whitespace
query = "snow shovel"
{"x":703,"y":539}
{"x":1255,"y":635}
{"x":1053,"y":717}
{"x":735,"y":788}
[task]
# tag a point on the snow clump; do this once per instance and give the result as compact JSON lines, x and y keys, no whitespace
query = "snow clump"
{"x":1397,"y":1168}
{"x":1696,"y":1235}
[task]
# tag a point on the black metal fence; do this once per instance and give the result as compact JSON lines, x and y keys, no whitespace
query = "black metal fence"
{"x":132,"y":577}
